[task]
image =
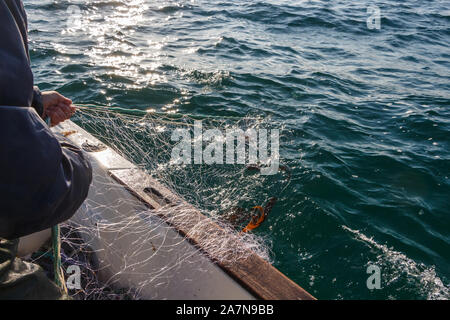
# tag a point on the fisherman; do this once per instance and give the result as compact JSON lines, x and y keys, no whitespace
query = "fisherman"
{"x":43,"y":178}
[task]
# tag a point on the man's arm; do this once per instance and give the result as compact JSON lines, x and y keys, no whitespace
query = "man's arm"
{"x":43,"y":181}
{"x":16,"y":78}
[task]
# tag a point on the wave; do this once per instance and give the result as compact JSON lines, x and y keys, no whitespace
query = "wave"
{"x":397,"y":269}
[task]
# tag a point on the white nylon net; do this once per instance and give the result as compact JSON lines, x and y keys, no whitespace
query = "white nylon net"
{"x":124,"y":249}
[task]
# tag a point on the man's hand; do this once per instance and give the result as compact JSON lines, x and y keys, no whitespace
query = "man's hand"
{"x":57,"y":107}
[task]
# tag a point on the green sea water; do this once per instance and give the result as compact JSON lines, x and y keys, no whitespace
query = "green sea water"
{"x":365,"y":114}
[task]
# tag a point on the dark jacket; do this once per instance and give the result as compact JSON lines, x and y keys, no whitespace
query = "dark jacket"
{"x":16,"y":79}
{"x":43,"y":181}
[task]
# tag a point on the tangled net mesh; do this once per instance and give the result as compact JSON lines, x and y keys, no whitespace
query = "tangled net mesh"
{"x":124,"y":249}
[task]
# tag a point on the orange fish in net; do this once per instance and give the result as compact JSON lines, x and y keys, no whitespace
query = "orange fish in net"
{"x":256,"y":219}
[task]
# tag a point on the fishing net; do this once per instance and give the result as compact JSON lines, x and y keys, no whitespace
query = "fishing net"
{"x":237,"y":197}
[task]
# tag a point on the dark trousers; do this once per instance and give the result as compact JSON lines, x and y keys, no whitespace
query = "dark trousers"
{"x":20,"y":280}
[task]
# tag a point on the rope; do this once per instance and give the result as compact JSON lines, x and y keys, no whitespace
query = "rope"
{"x":59,"y":273}
{"x":56,"y":243}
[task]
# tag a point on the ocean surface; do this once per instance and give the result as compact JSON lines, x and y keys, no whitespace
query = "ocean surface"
{"x":365,"y":111}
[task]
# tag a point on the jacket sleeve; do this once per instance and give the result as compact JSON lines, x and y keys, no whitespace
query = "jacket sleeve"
{"x":16,"y":79}
{"x":43,"y":181}
{"x":37,"y":101}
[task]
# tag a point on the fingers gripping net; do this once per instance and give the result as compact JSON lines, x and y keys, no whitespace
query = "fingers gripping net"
{"x":126,"y":250}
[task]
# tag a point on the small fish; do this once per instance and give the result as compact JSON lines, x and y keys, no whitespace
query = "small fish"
{"x":253,"y":167}
{"x":256,"y":220}
{"x":68,"y":133}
